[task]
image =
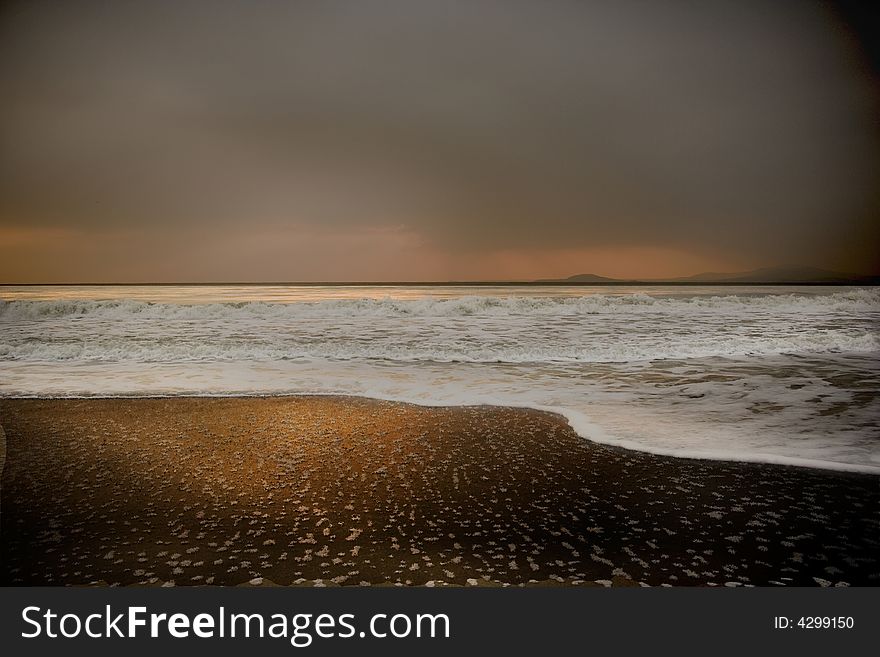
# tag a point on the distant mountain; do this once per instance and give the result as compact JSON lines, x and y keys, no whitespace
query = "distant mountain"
{"x":764,"y":275}
{"x":778,"y":275}
{"x":580,"y":278}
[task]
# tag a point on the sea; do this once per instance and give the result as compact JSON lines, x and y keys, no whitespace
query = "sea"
{"x":781,"y":374}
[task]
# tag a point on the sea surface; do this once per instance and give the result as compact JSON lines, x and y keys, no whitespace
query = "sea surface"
{"x":773,"y":374}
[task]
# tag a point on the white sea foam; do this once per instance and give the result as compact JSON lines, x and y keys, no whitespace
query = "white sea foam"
{"x":789,"y":376}
{"x":855,"y":301}
{"x":468,"y":329}
{"x":116,"y":349}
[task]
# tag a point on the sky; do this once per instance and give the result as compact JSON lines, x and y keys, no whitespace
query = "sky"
{"x":260,"y":140}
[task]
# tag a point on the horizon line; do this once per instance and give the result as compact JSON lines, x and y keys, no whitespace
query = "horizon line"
{"x":862,"y":280}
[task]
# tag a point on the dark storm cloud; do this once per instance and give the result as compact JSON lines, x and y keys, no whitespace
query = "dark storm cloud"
{"x":737,"y":128}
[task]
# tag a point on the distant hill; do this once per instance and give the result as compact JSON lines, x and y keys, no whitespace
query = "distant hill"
{"x":580,"y":278}
{"x":764,"y":275}
{"x":778,"y":275}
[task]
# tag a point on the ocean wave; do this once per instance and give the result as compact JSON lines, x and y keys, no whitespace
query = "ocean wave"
{"x":859,"y":300}
{"x":192,"y":349}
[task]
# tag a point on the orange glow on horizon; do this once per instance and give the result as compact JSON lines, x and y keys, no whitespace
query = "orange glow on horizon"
{"x":307,"y":253}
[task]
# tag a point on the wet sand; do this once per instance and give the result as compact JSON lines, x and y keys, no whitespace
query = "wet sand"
{"x":349,"y":491}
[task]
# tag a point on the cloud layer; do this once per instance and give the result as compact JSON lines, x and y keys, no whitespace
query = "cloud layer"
{"x":736,"y":134}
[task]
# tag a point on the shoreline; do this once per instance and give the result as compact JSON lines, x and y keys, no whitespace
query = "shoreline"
{"x":353,"y":491}
{"x":577,"y":421}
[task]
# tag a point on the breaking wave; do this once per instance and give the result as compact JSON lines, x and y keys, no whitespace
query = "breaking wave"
{"x":507,"y":329}
{"x":859,"y":300}
{"x":195,"y":350}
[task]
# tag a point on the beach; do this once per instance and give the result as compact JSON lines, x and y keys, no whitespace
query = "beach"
{"x":333,"y":490}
